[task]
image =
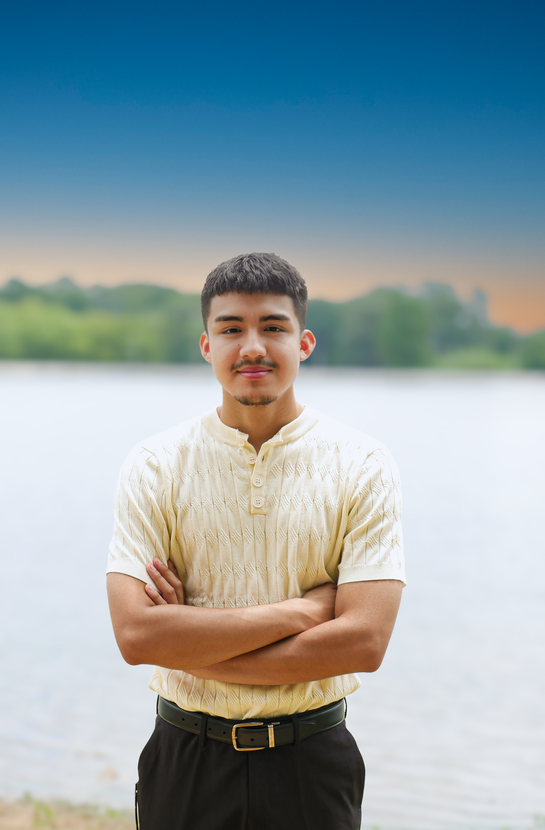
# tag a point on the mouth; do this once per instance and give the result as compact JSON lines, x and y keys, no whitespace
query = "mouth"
{"x":254,"y":372}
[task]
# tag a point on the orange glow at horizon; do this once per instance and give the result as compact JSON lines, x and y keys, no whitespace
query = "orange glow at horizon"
{"x":520,"y":307}
{"x":520,"y":310}
{"x":518,"y":304}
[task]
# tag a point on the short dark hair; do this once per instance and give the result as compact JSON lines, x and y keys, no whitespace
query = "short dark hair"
{"x":256,"y":274}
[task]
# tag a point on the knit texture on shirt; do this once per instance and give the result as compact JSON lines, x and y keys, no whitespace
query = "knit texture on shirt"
{"x":321,"y":502}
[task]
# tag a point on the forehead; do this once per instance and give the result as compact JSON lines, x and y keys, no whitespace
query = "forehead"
{"x":250,"y":306}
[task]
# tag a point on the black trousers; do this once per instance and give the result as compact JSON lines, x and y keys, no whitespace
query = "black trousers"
{"x":316,"y":785}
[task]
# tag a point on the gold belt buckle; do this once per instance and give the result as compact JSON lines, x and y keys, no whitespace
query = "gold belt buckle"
{"x":270,"y":727}
{"x":234,"y":737}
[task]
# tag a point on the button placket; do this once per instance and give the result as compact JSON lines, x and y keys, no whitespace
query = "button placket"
{"x":258,"y":481}
{"x":258,"y":499}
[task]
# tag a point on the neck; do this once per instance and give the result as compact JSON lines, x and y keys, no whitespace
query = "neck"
{"x":260,"y":423}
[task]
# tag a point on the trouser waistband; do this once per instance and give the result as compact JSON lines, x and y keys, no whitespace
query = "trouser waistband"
{"x":255,"y":734}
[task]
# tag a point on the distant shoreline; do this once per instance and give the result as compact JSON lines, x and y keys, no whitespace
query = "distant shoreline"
{"x":387,"y":328}
{"x":91,"y":365}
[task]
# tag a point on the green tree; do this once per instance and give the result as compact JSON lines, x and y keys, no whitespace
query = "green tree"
{"x":533,"y":351}
{"x":404,"y":332}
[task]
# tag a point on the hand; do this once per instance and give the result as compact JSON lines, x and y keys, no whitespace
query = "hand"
{"x":321,"y":602}
{"x":170,"y":590}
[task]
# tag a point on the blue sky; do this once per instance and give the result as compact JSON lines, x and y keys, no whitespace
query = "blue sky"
{"x":369,"y":144}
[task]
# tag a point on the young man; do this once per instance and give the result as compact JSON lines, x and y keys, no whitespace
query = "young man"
{"x":257,"y":562}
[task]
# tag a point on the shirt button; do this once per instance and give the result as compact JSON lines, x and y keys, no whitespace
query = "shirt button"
{"x":258,"y":481}
{"x":258,"y":501}
{"x":252,"y":459}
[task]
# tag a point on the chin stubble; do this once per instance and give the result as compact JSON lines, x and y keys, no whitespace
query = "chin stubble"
{"x":259,"y":402}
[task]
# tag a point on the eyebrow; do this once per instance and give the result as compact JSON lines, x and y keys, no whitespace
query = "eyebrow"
{"x":228,"y":318}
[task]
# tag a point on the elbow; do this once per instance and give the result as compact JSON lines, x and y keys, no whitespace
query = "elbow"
{"x":130,"y":645}
{"x":373,"y":663}
{"x":132,"y":658}
{"x":371,"y":655}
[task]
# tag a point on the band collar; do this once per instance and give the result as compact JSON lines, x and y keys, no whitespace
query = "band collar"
{"x":235,"y":438}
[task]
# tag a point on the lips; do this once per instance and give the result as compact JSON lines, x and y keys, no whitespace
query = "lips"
{"x":254,"y":372}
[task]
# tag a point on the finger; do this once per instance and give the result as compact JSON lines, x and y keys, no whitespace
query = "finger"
{"x":164,"y":580}
{"x":170,"y":574}
{"x":162,"y":587}
{"x":154,"y":594}
{"x":178,"y":584}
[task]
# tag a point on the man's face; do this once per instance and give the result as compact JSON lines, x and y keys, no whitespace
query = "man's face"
{"x":255,"y":345}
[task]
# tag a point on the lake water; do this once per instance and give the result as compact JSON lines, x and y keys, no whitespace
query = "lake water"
{"x":452,"y":727}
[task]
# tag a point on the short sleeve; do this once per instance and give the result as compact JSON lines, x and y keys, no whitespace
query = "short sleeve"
{"x":141,"y":526}
{"x":373,"y":542}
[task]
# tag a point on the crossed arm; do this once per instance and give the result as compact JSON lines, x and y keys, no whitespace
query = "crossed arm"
{"x":325,"y":633}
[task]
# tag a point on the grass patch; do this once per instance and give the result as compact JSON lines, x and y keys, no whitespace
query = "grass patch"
{"x":476,"y":358}
{"x":32,"y":814}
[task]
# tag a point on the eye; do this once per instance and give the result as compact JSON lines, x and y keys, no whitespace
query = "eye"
{"x":231,"y":330}
{"x":274,"y":328}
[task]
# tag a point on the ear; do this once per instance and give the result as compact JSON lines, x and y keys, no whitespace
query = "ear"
{"x":205,"y":347}
{"x":308,"y":342}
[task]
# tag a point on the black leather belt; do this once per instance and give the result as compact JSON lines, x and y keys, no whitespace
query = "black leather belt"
{"x":249,"y":734}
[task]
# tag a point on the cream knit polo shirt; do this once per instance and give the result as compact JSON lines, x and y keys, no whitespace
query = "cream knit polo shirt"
{"x":320,"y":502}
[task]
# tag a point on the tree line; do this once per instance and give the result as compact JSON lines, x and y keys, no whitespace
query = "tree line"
{"x":146,"y":323}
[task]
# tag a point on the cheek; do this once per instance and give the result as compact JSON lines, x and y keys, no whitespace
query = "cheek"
{"x":291,"y":363}
{"x":222,"y":353}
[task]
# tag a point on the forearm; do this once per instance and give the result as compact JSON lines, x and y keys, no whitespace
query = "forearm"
{"x":355,"y":641}
{"x":325,"y":651}
{"x":180,"y":636}
{"x":152,"y":624}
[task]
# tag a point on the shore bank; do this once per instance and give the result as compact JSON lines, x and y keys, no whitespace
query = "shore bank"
{"x":29,"y":814}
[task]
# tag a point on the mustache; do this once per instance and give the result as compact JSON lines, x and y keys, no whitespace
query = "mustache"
{"x":266,"y":364}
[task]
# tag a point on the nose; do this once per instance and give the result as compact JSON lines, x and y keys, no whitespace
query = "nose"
{"x":252,"y":346}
